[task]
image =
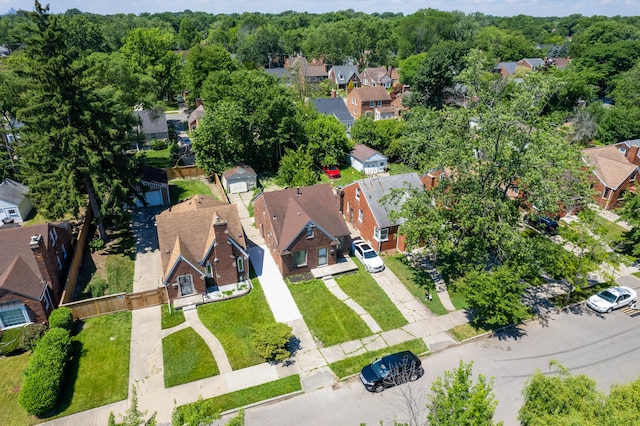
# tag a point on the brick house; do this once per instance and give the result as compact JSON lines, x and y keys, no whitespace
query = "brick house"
{"x":363,"y":207}
{"x":364,"y":100}
{"x":34,"y":262}
{"x":613,"y":171}
{"x":302,"y":227}
{"x":202,"y":244}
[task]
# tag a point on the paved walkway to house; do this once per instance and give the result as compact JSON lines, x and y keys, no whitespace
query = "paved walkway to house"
{"x":610,"y":216}
{"x":333,"y":287}
{"x":413,"y":310}
{"x":191,"y":315}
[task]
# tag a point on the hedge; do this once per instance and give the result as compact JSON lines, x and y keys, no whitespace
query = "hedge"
{"x":61,"y":317}
{"x":45,"y":371}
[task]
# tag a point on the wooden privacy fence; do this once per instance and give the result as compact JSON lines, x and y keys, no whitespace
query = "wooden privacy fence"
{"x":116,"y":302}
{"x":183,"y":172}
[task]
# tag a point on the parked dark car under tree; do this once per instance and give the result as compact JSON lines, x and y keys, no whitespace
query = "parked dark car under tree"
{"x":391,"y":370}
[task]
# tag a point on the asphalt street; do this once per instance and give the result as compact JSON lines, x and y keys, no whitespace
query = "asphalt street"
{"x":604,"y":347}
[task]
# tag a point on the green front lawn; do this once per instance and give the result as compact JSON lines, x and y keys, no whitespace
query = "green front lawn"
{"x":157,"y":158}
{"x":399,"y":168}
{"x":170,"y":320}
{"x":179,"y":189}
{"x":99,"y":370}
{"x":365,"y":291}
{"x":11,"y":412}
{"x":350,"y":366}
{"x":329,"y":320}
{"x":216,"y":405}
{"x":609,"y":232}
{"x":466,"y":331}
{"x":187,"y":358}
{"x":417,"y":281}
{"x":232,"y":322}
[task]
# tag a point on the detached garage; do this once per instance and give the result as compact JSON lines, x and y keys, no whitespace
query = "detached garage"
{"x":239,"y":179}
{"x":155,"y":187}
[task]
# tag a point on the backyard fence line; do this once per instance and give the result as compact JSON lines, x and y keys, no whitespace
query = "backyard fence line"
{"x":181,"y":172}
{"x":103,"y":305}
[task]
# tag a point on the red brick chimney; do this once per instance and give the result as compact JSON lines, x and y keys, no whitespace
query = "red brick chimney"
{"x":44,"y":264}
{"x":199,"y":102}
{"x":333,"y":93}
{"x":224,"y":267}
{"x":632,"y":155}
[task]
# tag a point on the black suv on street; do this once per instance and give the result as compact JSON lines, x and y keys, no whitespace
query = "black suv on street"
{"x":391,"y":370}
{"x":542,"y":223}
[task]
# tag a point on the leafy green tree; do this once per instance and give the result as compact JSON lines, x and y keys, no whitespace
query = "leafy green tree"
{"x":271,"y":341}
{"x":434,"y":80}
{"x":631,"y":213}
{"x":420,"y":31}
{"x":133,"y":416}
{"x":409,"y":68}
{"x":188,"y":35}
{"x":73,"y":143}
{"x":504,"y":45}
{"x":501,"y":143}
{"x":324,"y":137}
{"x":150,"y":51}
{"x":202,"y":60}
{"x":297,"y":169}
{"x":495,"y":296}
{"x":457,"y":401}
{"x":379,"y":135}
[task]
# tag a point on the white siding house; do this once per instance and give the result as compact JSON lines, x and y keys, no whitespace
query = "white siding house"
{"x":367,"y":160}
{"x":14,"y":203}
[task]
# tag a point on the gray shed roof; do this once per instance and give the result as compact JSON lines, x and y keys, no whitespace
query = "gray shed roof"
{"x":373,"y":189}
{"x":362,"y":153}
{"x":13,"y":192}
{"x":335,"y":107}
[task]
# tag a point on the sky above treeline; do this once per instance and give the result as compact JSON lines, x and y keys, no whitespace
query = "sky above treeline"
{"x":407,"y":7}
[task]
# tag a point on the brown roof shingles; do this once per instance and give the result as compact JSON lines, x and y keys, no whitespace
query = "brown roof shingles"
{"x":291,"y":209}
{"x":186,"y":228}
{"x":368,"y":94}
{"x":609,"y":164}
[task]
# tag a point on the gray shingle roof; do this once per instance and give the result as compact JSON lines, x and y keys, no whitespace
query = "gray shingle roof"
{"x":344,"y":72}
{"x":335,"y":107}
{"x":13,"y":192}
{"x":373,"y":189}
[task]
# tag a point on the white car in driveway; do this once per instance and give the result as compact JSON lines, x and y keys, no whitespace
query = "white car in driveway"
{"x":612,"y":298}
{"x":369,"y":258}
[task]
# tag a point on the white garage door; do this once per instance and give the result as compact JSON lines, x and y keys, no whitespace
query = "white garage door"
{"x":154,"y":198}
{"x":236,"y":187}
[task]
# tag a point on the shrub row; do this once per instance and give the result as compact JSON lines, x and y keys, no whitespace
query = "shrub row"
{"x":45,"y":372}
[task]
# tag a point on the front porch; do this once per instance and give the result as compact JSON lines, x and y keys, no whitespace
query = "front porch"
{"x":345,"y":264}
{"x":214,"y":294}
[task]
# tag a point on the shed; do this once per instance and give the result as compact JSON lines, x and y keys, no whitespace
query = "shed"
{"x":155,"y":187}
{"x":15,"y":205}
{"x":367,"y":160}
{"x":241,"y":178}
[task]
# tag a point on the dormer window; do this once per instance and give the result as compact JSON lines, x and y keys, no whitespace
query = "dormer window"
{"x":309,"y":231}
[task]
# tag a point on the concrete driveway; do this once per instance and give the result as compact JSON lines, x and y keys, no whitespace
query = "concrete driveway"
{"x":147,"y":273}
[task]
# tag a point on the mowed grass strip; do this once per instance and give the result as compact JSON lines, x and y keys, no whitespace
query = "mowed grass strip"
{"x":98,"y":373}
{"x":186,"y":358}
{"x":366,"y":292}
{"x":170,"y":320}
{"x":179,"y":189}
{"x":232,"y":322}
{"x":11,"y":412}
{"x":330,"y":320}
{"x":350,"y":366}
{"x":244,"y":397}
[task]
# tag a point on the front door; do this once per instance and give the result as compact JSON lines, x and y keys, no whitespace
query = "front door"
{"x":322,"y":256}
{"x":185,"y":284}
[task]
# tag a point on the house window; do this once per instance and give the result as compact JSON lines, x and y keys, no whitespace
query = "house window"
{"x":379,"y":103}
{"x":59,"y":262}
{"x":300,"y":258}
{"x":309,"y":231}
{"x":623,"y":151}
{"x":360,"y":215}
{"x":47,"y":299}
{"x":209,"y":270}
{"x":64,"y":251}
{"x":357,"y":193}
{"x":606,"y":193}
{"x":353,"y":101}
{"x":371,"y":104}
{"x":381,"y":234}
{"x":12,"y":212}
{"x":185,"y":285}
{"x":53,"y":236}
{"x":13,"y":315}
{"x":240,"y":262}
{"x":322,"y":256}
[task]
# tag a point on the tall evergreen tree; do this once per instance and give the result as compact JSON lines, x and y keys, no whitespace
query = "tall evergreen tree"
{"x":72,"y":147}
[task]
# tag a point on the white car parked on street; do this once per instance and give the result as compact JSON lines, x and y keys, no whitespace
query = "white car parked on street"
{"x":612,"y":298}
{"x":369,"y":258}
